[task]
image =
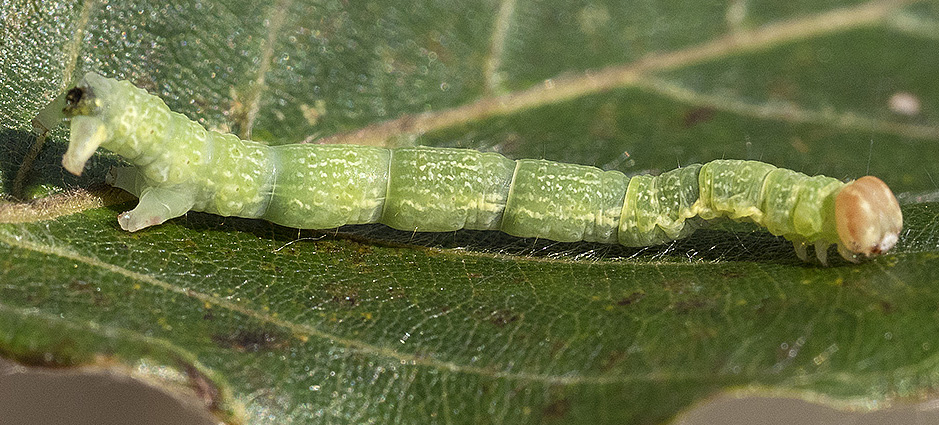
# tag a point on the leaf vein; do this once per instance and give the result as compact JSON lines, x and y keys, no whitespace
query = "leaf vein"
{"x":560,"y":89}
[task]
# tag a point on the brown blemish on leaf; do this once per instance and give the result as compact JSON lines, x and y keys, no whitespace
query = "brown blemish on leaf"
{"x":612,"y":359}
{"x":557,"y":409}
{"x":350,"y":300}
{"x":697,"y":116}
{"x":631,"y":299}
{"x":503,"y":317}
{"x":343,"y":295}
{"x":887,"y":307}
{"x":251,"y":340}
{"x":80,"y":286}
{"x":85,"y":289}
{"x":692,"y":304}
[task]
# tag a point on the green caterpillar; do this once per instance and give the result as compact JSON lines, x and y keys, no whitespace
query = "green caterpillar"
{"x":181,"y":166}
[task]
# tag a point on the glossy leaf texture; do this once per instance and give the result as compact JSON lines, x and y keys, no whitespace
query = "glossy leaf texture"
{"x":265,"y":324}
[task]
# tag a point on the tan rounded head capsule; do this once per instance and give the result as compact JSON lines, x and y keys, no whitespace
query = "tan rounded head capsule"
{"x":868,"y":218}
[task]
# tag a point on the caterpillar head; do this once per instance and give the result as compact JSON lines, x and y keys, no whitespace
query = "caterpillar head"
{"x":868,"y":218}
{"x":85,"y":107}
{"x":87,"y":131}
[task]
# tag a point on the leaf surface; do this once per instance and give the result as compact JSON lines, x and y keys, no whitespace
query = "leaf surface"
{"x":269,"y":324}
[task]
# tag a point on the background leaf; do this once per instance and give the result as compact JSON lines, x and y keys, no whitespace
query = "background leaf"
{"x":268,"y":324}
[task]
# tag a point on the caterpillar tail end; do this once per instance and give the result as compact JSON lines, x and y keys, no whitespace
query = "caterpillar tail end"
{"x":868,"y":218}
{"x":87,"y":134}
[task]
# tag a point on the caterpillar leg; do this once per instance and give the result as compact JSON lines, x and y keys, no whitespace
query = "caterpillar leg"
{"x":157,"y":204}
{"x":126,"y":178}
{"x":801,"y":250}
{"x":821,"y":252}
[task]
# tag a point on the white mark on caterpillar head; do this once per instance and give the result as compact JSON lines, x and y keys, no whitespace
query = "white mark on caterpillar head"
{"x":868,"y":218}
{"x":87,"y":134}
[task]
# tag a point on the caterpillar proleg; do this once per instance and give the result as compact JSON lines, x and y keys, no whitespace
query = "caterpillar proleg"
{"x":180,"y":166}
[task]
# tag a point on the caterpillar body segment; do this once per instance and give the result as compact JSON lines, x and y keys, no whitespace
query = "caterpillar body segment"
{"x":180,"y":166}
{"x":442,"y":190}
{"x":564,"y":202}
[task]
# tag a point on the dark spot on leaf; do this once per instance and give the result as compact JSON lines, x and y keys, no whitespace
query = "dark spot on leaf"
{"x":349,"y":300}
{"x":887,"y":307}
{"x":146,"y":83}
{"x":729,"y":274}
{"x":557,"y":409}
{"x":342,"y":294}
{"x":697,"y":115}
{"x":80,"y":286}
{"x":501,"y":318}
{"x":692,"y":304}
{"x":612,"y":359}
{"x":83,"y":288}
{"x":557,"y":347}
{"x":251,"y":340}
{"x":631,"y":299}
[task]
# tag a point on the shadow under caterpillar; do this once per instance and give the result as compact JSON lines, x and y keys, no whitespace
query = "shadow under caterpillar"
{"x":180,"y":166}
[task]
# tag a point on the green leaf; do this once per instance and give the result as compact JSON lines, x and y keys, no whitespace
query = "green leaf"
{"x":266,"y":324}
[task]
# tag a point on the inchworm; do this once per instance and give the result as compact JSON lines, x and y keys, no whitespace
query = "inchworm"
{"x":179,"y":166}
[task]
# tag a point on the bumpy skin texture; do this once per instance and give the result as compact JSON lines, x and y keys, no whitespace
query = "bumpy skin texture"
{"x":180,"y":166}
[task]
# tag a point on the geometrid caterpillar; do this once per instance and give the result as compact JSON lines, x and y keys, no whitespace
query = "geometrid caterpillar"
{"x":180,"y":166}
